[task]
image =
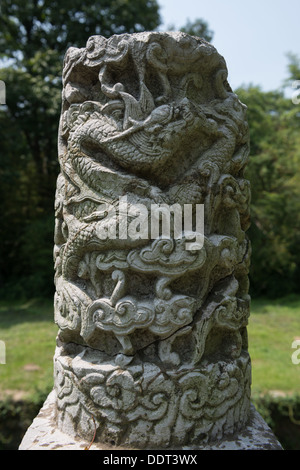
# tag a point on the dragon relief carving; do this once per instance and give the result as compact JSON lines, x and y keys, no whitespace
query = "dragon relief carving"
{"x":151,"y":116}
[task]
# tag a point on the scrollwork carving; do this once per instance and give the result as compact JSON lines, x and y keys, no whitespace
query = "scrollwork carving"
{"x":152,"y":325}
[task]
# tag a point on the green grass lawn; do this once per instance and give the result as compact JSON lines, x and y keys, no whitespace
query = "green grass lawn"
{"x":273,"y":326}
{"x":29,"y":333}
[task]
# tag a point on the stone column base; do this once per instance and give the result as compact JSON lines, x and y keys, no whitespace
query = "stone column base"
{"x":44,"y":435}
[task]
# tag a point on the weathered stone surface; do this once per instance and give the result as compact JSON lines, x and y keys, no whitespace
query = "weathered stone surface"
{"x":44,"y":434}
{"x":152,"y":346}
{"x":143,"y":403}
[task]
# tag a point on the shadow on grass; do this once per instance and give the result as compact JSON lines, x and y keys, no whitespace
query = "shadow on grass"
{"x":263,"y":304}
{"x":13,"y":313}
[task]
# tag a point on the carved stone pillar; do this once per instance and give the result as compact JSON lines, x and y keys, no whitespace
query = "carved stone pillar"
{"x":152,"y":345}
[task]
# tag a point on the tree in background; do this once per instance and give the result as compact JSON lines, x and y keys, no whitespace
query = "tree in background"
{"x":274,"y":174}
{"x":42,"y":25}
{"x":34,"y":36}
{"x":198,"y":27}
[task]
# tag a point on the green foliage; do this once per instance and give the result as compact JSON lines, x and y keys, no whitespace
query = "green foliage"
{"x":273,"y":171}
{"x":15,"y":418}
{"x":199,"y":28}
{"x":34,"y":37}
{"x":282,"y":414}
{"x":293,"y":67}
{"x":45,"y":25}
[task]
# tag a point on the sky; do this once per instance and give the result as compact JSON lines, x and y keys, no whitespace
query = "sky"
{"x":253,"y":36}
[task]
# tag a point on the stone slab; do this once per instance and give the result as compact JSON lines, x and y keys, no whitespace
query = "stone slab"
{"x":44,"y":435}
